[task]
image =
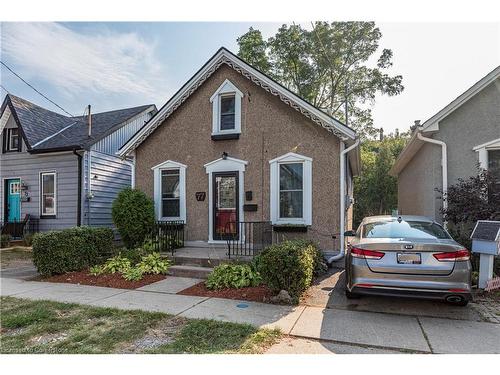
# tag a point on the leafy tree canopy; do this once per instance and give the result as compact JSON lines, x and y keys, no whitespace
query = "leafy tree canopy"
{"x":375,"y":191}
{"x":326,"y":65}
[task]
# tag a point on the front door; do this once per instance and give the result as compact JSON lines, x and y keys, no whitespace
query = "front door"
{"x":225,"y":205}
{"x":13,"y":187}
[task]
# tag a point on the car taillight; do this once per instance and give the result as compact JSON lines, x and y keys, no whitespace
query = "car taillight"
{"x":367,"y":254}
{"x":453,"y":256}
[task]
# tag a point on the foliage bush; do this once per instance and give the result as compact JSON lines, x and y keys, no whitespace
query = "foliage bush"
{"x":5,"y":240}
{"x":28,"y":239}
{"x":288,"y":266}
{"x":233,"y":276}
{"x":72,"y":249}
{"x":133,"y":215}
{"x":149,"y":264}
{"x":154,"y":264}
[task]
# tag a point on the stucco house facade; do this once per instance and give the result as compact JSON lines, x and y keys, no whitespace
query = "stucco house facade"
{"x":62,"y":171}
{"x":232,"y":145}
{"x":450,"y":145}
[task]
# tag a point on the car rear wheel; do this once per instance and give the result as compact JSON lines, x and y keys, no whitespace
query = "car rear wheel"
{"x":351,"y":295}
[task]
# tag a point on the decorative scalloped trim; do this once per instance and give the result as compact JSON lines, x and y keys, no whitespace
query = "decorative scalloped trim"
{"x":251,"y":77}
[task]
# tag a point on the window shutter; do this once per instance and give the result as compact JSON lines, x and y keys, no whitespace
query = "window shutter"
{"x":4,"y":141}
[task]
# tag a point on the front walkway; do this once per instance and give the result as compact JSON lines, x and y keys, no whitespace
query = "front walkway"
{"x":359,"y":329}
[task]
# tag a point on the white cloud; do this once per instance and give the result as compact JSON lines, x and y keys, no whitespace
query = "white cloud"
{"x":103,"y":62}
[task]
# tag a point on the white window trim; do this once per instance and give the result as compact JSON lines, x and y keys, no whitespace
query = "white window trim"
{"x":482,"y":151}
{"x":227,"y":88}
{"x":41,"y":193}
{"x":157,"y":169}
{"x":9,"y":139}
{"x":275,"y":189}
{"x":225,"y":165}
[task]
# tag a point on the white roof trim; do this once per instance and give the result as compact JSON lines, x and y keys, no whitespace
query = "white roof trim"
{"x":493,"y":143}
{"x":432,"y":124}
{"x":223,"y":56}
{"x":5,"y":118}
{"x":290,"y":157}
{"x":169,"y":164}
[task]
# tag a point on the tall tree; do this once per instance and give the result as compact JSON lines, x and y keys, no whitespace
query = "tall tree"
{"x":375,"y":191}
{"x":327,"y":66}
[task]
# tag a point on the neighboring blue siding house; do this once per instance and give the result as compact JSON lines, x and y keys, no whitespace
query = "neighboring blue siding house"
{"x":63,"y":170}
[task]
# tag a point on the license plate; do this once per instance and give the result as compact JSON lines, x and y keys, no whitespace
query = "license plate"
{"x":409,"y":258}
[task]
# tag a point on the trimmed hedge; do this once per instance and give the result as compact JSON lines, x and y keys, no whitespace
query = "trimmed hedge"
{"x":72,"y":249}
{"x":289,"y":266}
{"x":133,"y":213}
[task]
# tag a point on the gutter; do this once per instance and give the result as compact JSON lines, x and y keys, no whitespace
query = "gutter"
{"x":444,"y":166}
{"x":343,"y":154}
{"x":79,"y":195}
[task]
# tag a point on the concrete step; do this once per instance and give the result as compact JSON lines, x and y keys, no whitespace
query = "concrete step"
{"x":206,"y":262}
{"x":190,"y":271}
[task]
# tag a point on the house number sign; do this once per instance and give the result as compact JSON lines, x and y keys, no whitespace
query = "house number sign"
{"x":200,"y":196}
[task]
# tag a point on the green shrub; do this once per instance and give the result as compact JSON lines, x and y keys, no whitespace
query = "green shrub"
{"x":288,"y":266}
{"x":72,"y":249}
{"x":5,"y":240}
{"x":133,"y":274}
{"x":232,"y":276}
{"x":116,"y":264}
{"x":133,"y":215}
{"x":154,"y":264}
{"x":28,"y":239}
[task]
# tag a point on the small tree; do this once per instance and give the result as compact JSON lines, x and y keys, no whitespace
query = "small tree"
{"x":133,"y":214}
{"x":470,"y":200}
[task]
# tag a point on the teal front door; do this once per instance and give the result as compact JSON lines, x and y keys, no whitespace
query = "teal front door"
{"x":13,"y":200}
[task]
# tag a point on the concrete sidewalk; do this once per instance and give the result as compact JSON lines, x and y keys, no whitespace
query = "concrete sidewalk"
{"x":378,"y":331}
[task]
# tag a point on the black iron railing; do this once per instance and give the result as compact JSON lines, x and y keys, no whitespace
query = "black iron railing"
{"x":250,"y":238}
{"x":168,"y":236}
{"x":18,"y":229}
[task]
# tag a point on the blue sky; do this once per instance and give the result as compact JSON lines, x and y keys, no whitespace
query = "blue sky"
{"x":122,"y":64}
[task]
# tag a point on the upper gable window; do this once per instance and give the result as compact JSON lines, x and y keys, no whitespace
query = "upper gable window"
{"x":226,"y":109}
{"x":11,"y":142}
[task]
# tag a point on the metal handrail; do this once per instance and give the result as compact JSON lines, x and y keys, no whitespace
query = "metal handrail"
{"x":250,"y":238}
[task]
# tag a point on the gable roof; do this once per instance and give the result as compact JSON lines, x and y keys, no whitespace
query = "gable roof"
{"x":44,"y":130}
{"x":431,"y":125}
{"x":224,"y":56}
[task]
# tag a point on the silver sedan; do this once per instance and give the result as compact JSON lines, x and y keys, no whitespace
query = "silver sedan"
{"x":409,"y":256}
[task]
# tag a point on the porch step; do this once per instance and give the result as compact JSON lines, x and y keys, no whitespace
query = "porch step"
{"x":190,"y":271}
{"x":206,"y":262}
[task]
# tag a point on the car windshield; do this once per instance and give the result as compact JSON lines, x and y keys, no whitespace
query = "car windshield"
{"x":404,"y":229}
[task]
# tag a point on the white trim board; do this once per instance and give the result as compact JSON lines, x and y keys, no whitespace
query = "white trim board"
{"x":223,"y":56}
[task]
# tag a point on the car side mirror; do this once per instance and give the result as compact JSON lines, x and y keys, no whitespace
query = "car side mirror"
{"x":349,"y":233}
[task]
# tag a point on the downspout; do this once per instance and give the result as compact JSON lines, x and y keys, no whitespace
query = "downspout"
{"x":444,"y":166}
{"x":343,"y":154}
{"x":79,"y":195}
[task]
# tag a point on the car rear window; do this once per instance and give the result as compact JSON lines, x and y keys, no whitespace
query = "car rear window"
{"x":404,"y":229}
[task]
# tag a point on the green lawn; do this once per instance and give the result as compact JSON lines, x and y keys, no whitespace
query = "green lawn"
{"x":52,"y":327}
{"x":16,"y":255}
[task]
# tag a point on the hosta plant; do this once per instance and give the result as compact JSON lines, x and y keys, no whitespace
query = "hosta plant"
{"x":232,"y":276}
{"x":154,"y":264}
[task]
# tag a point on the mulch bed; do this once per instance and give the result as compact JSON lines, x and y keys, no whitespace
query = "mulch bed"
{"x":107,"y":280}
{"x":259,"y":293}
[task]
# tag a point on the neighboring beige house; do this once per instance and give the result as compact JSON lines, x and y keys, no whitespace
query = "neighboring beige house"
{"x":449,"y":146}
{"x":232,"y":145}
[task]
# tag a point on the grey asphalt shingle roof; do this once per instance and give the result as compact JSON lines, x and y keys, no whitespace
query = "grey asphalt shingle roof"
{"x":46,"y":130}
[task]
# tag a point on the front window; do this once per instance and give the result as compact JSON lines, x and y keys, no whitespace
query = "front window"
{"x":291,"y":190}
{"x":48,"y":194}
{"x":12,"y":139}
{"x":494,"y":167}
{"x":227,"y":113}
{"x":170,"y":193}
{"x":404,"y":229}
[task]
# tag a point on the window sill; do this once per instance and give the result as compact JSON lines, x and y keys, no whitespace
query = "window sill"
{"x":225,"y":136}
{"x":296,"y":228}
{"x":47,"y":216}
